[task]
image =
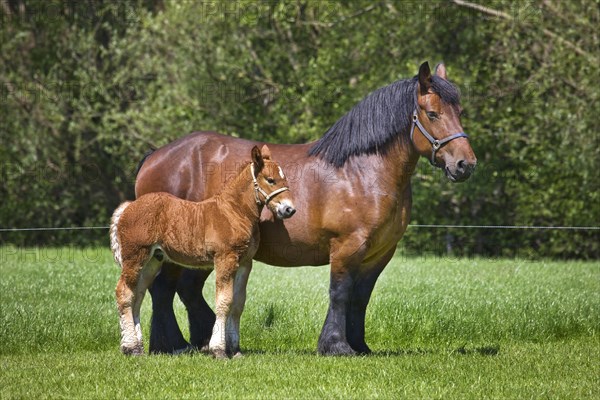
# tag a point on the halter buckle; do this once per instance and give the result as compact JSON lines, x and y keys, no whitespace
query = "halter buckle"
{"x":436,"y":144}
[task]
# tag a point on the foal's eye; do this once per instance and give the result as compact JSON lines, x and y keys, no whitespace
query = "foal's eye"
{"x":432,"y":115}
{"x":271,"y":181}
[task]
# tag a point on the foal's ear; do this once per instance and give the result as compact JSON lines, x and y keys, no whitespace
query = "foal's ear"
{"x":257,"y":160}
{"x":266,"y":153}
{"x":424,"y":78}
{"x":440,"y":70}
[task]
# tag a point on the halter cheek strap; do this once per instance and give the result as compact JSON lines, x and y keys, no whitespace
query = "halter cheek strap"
{"x":435,"y":143}
{"x":257,"y":189}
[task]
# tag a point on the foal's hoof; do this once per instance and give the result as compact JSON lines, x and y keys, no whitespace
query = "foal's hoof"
{"x":219,"y":354}
{"x":133,"y":350}
{"x":238,"y":355}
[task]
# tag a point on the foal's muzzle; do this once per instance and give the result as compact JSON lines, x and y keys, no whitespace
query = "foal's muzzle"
{"x":285,"y":210}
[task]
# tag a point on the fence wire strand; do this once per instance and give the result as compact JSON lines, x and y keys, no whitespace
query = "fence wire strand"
{"x":433,"y":226}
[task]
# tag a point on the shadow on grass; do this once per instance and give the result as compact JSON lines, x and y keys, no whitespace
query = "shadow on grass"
{"x":483,"y":351}
{"x":492,"y":350}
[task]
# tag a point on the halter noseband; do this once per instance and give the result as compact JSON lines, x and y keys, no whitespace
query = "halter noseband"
{"x":258,"y":189}
{"x":435,"y":143}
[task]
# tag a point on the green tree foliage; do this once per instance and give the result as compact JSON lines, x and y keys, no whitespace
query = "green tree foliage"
{"x":87,"y":87}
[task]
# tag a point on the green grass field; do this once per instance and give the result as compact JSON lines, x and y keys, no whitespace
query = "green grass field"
{"x":440,"y":328}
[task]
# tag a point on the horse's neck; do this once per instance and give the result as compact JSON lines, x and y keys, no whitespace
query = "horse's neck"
{"x":396,"y":165}
{"x":238,"y":196}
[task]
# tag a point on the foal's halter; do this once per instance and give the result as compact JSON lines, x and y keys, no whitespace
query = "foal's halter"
{"x":258,"y":189}
{"x":435,"y":143}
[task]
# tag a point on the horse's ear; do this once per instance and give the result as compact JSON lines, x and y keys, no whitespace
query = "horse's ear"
{"x":424,"y":78}
{"x":440,"y":70}
{"x":257,"y":160}
{"x":266,"y":153}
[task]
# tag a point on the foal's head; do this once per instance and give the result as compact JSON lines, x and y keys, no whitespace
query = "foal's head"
{"x":438,"y":113}
{"x":270,"y":184}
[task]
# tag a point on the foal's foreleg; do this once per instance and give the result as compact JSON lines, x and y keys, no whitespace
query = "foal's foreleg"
{"x":225,"y":271}
{"x":240,"y":283}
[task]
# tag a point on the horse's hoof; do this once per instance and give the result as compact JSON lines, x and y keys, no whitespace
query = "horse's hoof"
{"x":336,"y":349}
{"x":186,"y":350}
{"x":219,"y":354}
{"x":362,"y":349}
{"x":237,"y":355}
{"x":205,"y":349}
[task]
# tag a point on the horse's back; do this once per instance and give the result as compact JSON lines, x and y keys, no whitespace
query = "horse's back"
{"x":174,"y":168}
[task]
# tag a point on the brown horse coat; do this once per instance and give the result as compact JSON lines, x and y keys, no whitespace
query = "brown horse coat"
{"x":353,"y":192}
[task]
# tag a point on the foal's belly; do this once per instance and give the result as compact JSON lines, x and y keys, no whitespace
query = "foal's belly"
{"x":203,"y":262}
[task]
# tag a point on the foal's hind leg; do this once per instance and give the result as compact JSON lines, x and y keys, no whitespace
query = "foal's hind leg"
{"x":125,"y":292}
{"x":136,"y":276}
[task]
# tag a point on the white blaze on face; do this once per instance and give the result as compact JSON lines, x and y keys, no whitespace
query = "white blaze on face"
{"x":281,"y":173}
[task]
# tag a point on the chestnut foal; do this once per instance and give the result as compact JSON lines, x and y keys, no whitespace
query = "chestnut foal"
{"x":222,"y":230}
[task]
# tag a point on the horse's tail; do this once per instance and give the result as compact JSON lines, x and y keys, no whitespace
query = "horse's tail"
{"x":115,"y":245}
{"x":146,"y":155}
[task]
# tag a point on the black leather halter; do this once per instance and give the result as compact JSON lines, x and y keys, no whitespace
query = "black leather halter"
{"x":435,"y":143}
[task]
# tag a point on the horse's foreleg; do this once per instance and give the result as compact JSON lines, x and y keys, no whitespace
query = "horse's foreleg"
{"x":225,"y":270}
{"x":200,"y":316}
{"x":239,"y":300}
{"x":363,"y":287}
{"x":332,"y":340}
{"x":165,"y":335}
{"x":346,"y":255}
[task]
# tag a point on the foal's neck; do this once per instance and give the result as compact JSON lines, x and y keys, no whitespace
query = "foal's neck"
{"x":239,"y":195}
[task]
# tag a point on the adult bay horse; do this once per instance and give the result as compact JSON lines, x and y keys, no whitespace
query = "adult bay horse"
{"x":353,"y":193}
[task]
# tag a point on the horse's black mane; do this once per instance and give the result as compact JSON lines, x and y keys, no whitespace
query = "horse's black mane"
{"x":380,"y":118}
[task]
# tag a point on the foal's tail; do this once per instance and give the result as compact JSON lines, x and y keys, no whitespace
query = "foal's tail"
{"x":115,"y":245}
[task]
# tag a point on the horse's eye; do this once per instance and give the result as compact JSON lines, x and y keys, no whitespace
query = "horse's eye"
{"x":432,"y":115}
{"x":271,"y":181}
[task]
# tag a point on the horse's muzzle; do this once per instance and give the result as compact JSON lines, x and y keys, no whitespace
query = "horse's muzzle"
{"x":461,"y":170}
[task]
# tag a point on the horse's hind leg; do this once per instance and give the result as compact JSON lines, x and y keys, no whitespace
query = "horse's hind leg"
{"x":165,"y":335}
{"x":200,"y":316}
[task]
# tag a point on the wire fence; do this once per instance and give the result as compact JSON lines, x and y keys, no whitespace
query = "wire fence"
{"x":433,"y":226}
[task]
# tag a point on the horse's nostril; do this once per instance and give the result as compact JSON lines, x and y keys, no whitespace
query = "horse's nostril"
{"x":460,"y":166}
{"x":290,"y":210}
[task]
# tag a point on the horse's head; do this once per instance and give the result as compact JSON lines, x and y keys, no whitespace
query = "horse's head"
{"x":270,"y":184}
{"x":436,"y":132}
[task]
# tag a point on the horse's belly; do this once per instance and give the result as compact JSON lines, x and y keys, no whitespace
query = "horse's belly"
{"x":291,"y":254}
